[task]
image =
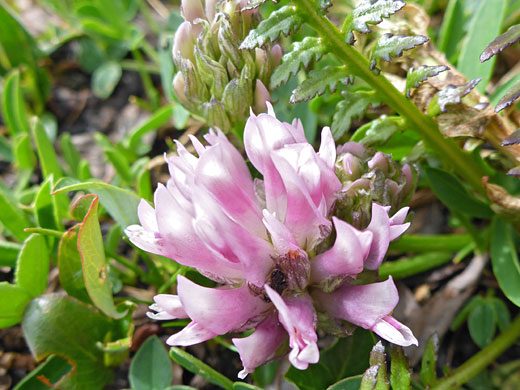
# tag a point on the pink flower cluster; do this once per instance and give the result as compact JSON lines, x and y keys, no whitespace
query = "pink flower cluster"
{"x":259,"y":241}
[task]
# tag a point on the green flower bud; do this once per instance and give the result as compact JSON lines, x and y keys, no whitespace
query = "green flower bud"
{"x":369,"y":176}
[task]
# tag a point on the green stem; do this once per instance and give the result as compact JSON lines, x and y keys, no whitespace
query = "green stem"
{"x":136,"y":66}
{"x":434,"y":242}
{"x":151,"y":92}
{"x":409,"y":266}
{"x":481,"y":360}
{"x":422,"y":124}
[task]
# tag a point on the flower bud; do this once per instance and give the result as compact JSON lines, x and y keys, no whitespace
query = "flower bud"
{"x":178,"y":86}
{"x":191,"y":10}
{"x":368,"y":176}
{"x":184,"y":41}
{"x":261,"y":97}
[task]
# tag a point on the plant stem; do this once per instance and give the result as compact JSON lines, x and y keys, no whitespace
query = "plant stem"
{"x":481,"y":360}
{"x":430,"y":242}
{"x":451,"y":154}
{"x":409,"y":266}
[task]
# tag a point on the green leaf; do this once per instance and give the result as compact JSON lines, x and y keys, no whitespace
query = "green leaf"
{"x":121,"y":204}
{"x":254,"y":3}
{"x":390,"y":45}
{"x":60,"y":325}
{"x":462,"y":316}
{"x":378,"y":131}
{"x":12,"y":217}
{"x":416,"y":76}
{"x":245,"y":386}
{"x":69,"y":265}
{"x":47,"y":155}
{"x":151,"y":367}
{"x":14,"y":112}
{"x":265,"y":375}
{"x":352,"y":106}
{"x":318,"y":81}
{"x":378,"y":359}
{"x":452,"y":193}
{"x":91,"y":250}
{"x":9,"y":253}
{"x":198,"y":367}
{"x":301,"y":54}
{"x":482,"y":324}
{"x":348,"y":356}
{"x":452,"y":29}
{"x":45,"y":208}
{"x":13,"y":300}
{"x":428,"y":371}
{"x":369,"y":12}
{"x":70,"y":154}
{"x":504,"y":259}
{"x":105,"y":79}
{"x":32,"y":266}
{"x":281,"y":21}
{"x":119,"y":162}
{"x":369,"y":379}
{"x":159,"y":118}
{"x":47,"y":375}
{"x":23,"y":152}
{"x":509,"y":97}
{"x":399,"y":368}
{"x":511,"y":36}
{"x":453,"y":95}
{"x":501,"y":313}
{"x":352,"y":383}
{"x":485,"y":25}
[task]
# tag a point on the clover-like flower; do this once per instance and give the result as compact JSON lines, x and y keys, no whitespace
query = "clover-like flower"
{"x":264,"y":243}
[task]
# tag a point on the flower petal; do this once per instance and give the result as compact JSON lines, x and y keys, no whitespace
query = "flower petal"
{"x":392,"y":330}
{"x":361,"y":305}
{"x":260,"y":346}
{"x":220,"y":310}
{"x":168,"y":306}
{"x":346,"y":257}
{"x":192,"y":334}
{"x":380,"y":228}
{"x":299,"y":319}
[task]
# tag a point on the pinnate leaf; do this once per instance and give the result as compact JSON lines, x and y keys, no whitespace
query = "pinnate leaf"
{"x":279,"y":22}
{"x":301,"y":54}
{"x":415,"y":76}
{"x":390,"y":45}
{"x":498,"y":44}
{"x":453,"y":95}
{"x":369,"y":12}
{"x":253,"y":4}
{"x":318,"y":81}
{"x":509,"y":97}
{"x":352,"y":106}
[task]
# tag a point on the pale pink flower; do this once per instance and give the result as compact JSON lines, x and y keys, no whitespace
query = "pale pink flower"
{"x":258,"y":240}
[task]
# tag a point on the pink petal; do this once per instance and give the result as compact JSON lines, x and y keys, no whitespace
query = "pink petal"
{"x":392,"y":330}
{"x":303,"y":218}
{"x":168,"y":306}
{"x":327,"y":150}
{"x":192,"y":9}
{"x":261,"y":346}
{"x":299,"y":319}
{"x":220,"y":310}
{"x":281,"y":236}
{"x":261,"y":97}
{"x":380,"y":228}
{"x":397,"y":227}
{"x":184,"y":41}
{"x":192,"y":334}
{"x":346,"y":257}
{"x":361,"y":305}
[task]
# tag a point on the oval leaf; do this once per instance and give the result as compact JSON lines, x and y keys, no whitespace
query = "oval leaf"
{"x":151,"y":367}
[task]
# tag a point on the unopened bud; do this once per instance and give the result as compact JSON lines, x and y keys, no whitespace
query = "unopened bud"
{"x":228,"y":42}
{"x":178,"y":87}
{"x":276,"y":55}
{"x":261,"y":97}
{"x":212,"y":73}
{"x":184,"y":41}
{"x":191,"y":10}
{"x":216,"y":115}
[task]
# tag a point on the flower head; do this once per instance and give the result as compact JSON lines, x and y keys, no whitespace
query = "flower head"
{"x":216,"y":80}
{"x":264,"y":242}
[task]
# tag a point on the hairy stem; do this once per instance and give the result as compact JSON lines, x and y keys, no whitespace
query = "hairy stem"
{"x":451,"y":154}
{"x":481,"y":360}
